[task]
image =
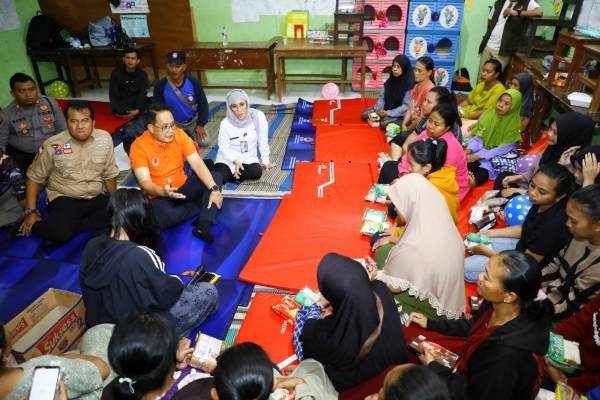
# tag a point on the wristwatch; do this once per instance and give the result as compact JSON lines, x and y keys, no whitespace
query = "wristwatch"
{"x":29,"y":211}
{"x":215,"y":188}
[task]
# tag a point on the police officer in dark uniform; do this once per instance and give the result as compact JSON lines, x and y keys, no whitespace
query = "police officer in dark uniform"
{"x":28,"y":121}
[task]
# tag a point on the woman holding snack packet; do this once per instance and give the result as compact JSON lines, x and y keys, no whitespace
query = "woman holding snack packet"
{"x":360,"y":336}
{"x":394,"y":100}
{"x":424,"y":280}
{"x":505,"y":343}
{"x":549,"y":190}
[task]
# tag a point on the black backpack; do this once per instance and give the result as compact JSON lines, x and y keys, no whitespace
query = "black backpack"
{"x":44,"y":33}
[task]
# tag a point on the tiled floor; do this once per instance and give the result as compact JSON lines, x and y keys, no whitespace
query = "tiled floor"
{"x":257,"y":96}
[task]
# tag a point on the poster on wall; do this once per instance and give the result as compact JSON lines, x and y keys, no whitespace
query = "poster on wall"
{"x":9,"y":19}
{"x":131,"y":7}
{"x":251,"y":10}
{"x":589,"y":18}
{"x":135,"y":26}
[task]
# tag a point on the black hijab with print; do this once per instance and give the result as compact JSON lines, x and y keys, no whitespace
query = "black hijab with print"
{"x":396,"y":87}
{"x":336,"y":340}
{"x":572,"y":129}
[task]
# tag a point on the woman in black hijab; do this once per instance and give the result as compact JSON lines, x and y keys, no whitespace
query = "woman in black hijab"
{"x":568,"y":133}
{"x":394,"y":100}
{"x":353,"y":343}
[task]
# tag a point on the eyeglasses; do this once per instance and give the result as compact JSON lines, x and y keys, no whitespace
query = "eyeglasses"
{"x":236,"y":107}
{"x":167,"y":127}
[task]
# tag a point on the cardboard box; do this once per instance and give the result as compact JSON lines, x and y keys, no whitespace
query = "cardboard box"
{"x":52,"y":324}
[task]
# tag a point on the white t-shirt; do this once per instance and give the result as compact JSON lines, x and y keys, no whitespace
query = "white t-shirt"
{"x":496,"y":36}
{"x":231,"y":147}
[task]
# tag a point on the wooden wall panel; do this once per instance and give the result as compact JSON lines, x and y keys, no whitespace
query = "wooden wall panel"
{"x":169,"y":22}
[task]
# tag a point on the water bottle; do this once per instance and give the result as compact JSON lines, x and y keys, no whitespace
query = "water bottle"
{"x":224,"y":36}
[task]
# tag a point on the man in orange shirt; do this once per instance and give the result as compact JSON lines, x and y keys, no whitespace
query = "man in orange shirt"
{"x":157,"y":159}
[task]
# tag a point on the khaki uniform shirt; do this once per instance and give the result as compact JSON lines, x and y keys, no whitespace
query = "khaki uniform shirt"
{"x":26,"y":128}
{"x":72,"y":168}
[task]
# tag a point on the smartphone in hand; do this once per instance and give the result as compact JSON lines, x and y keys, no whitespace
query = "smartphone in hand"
{"x":44,"y":384}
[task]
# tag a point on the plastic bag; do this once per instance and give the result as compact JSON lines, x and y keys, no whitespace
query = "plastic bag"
{"x":101,"y":32}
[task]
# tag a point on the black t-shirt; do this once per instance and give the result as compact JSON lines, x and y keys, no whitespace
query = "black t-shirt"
{"x":545,"y":233}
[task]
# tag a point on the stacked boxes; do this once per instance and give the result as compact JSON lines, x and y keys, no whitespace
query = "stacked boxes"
{"x":433,"y":30}
{"x":384,"y":34}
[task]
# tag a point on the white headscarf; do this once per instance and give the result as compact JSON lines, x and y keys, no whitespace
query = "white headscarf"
{"x":251,"y":116}
{"x":428,"y":261}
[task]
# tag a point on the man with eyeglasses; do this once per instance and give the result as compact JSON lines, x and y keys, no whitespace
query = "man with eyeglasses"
{"x":185,"y":97}
{"x":157,"y":159}
{"x":78,"y":167}
{"x":28,"y":121}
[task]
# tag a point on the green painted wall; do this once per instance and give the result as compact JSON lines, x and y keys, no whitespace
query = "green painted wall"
{"x":211,"y":16}
{"x":13,"y":54}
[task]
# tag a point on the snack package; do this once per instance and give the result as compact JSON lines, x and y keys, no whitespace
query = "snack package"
{"x":375,"y":215}
{"x":477,"y":212}
{"x":206,"y":351}
{"x":564,"y":354}
{"x":441,"y":354}
{"x":374,"y":119}
{"x":377,"y":193}
{"x":306,"y":297}
{"x":283,"y":394}
{"x":370,"y":228}
{"x":391,"y":130}
{"x":287,"y":309}
{"x":485,"y":223}
{"x":475,"y":303}
{"x":566,"y":392}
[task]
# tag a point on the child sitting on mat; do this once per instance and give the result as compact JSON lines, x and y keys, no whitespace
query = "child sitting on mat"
{"x":493,"y":147}
{"x":394,"y":100}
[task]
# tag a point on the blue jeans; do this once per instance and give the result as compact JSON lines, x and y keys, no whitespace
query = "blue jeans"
{"x":475,"y":265}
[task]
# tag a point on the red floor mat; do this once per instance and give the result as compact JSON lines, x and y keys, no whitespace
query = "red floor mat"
{"x":348,"y":114}
{"x":104,"y":119}
{"x":349,"y":143}
{"x":263,"y":327}
{"x":305,"y":227}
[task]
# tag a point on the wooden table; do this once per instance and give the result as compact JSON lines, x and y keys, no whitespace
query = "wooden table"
{"x":545,"y":94}
{"x":68,"y":56}
{"x":302,"y":48}
{"x":567,"y":40}
{"x":588,"y":53}
{"x":203,"y":56}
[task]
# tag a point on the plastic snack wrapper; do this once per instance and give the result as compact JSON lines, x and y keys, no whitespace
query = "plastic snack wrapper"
{"x":287,"y":309}
{"x":441,"y":354}
{"x":377,"y":193}
{"x":206,"y":351}
{"x":391,"y":130}
{"x":564,"y":354}
{"x":374,"y":119}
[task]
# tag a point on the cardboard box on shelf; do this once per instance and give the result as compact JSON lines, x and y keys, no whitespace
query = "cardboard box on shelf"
{"x":52,"y":324}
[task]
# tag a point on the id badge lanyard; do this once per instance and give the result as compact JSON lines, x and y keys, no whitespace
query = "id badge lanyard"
{"x":244,"y":143}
